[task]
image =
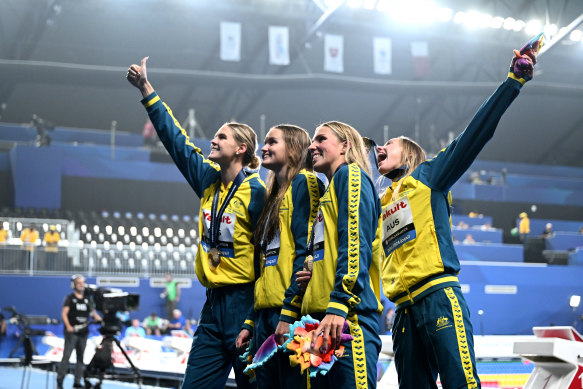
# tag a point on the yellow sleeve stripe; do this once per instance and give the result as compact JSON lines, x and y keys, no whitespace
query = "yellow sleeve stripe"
{"x":250,"y":323}
{"x":340,"y":307}
{"x":521,"y":80}
{"x":152,"y":102}
{"x":289,"y":313}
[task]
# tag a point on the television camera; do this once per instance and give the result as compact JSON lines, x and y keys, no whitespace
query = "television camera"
{"x":24,"y":322}
{"x":110,"y":302}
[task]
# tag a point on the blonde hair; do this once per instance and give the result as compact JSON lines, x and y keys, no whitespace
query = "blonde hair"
{"x":413,"y":156}
{"x":355,"y":151}
{"x":242,"y":133}
{"x":297,"y":140}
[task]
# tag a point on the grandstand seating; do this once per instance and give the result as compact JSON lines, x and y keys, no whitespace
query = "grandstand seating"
{"x":143,"y":241}
{"x":112,"y":242}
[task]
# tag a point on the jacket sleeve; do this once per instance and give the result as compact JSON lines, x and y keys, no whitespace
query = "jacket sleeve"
{"x":357,"y":207}
{"x":198,"y":171}
{"x":306,"y":192}
{"x":449,"y":165}
{"x":249,"y":322}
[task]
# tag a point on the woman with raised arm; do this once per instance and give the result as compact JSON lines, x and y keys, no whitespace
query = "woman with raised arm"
{"x":283,"y":230}
{"x":344,"y":284}
{"x":231,"y":202}
{"x":432,"y":332}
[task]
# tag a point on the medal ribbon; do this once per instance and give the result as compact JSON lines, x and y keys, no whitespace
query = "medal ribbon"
{"x":216,"y":216}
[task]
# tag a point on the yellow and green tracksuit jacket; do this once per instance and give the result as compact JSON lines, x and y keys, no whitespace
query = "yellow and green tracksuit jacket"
{"x":276,"y":286}
{"x":417,"y":240}
{"x":346,"y":275}
{"x":240,"y":216}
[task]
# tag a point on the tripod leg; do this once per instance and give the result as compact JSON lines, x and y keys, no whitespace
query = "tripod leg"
{"x":134,"y":368}
{"x":20,"y":341}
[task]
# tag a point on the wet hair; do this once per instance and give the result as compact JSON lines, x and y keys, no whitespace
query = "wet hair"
{"x":355,"y":151}
{"x":297,"y":140}
{"x":242,"y":133}
{"x":413,"y":156}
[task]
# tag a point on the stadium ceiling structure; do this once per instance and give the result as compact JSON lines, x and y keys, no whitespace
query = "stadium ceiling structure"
{"x":65,"y":61}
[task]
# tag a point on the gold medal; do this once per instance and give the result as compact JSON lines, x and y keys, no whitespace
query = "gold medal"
{"x":214,"y":258}
{"x":263,"y":259}
{"x":309,"y":263}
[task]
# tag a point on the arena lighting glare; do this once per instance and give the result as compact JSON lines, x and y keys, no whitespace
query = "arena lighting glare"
{"x":533,"y":27}
{"x":575,"y":301}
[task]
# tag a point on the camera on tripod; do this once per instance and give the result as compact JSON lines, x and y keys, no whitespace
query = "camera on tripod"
{"x":110,"y":302}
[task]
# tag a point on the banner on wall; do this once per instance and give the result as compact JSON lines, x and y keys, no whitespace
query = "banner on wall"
{"x":420,"y":54}
{"x":382,"y":55}
{"x":278,"y":45}
{"x":230,"y":41}
{"x":334,"y":53}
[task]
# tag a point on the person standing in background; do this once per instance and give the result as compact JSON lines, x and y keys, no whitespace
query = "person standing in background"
{"x":171,"y":295}
{"x":75,"y":314}
{"x":51,"y":239}
{"x":3,"y":234}
{"x":523,"y":226}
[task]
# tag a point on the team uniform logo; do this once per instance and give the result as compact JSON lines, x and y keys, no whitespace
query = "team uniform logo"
{"x":398,"y":227}
{"x":272,"y":251}
{"x":226,"y":232}
{"x":442,"y":322}
{"x":319,"y":237}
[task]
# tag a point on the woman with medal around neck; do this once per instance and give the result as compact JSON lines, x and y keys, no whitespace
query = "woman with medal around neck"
{"x":344,"y":284}
{"x":432,"y":329}
{"x":231,"y":202}
{"x":293,"y":193}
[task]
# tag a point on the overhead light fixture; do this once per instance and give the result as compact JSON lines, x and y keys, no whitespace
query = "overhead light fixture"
{"x":550,"y":29}
{"x":533,"y":27}
{"x":508,"y":23}
{"x":497,"y":22}
{"x":444,"y":14}
{"x":576,"y":35}
{"x":383,"y":5}
{"x":354,"y":3}
{"x":518,"y":25}
{"x":333,"y":3}
{"x":459,"y":17}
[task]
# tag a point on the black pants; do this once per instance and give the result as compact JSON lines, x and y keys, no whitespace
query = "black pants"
{"x":75,"y":342}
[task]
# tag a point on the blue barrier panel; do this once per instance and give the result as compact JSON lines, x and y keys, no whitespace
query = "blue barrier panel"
{"x":36,"y":174}
{"x":490,"y":252}
{"x":22,"y":292}
{"x":480,"y":236}
{"x":545,"y":182}
{"x":4,"y":161}
{"x":129,"y":170}
{"x":564,"y":241}
{"x":517,"y":194}
{"x":513,"y":297}
{"x":471,"y":221}
{"x":527,"y":169}
{"x":537,"y":226}
{"x":95,"y":152}
{"x":489,"y":192}
{"x":576,"y":258}
{"x":17,"y":133}
{"x":26,"y":133}
{"x":83,"y":135}
{"x":516,"y":297}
